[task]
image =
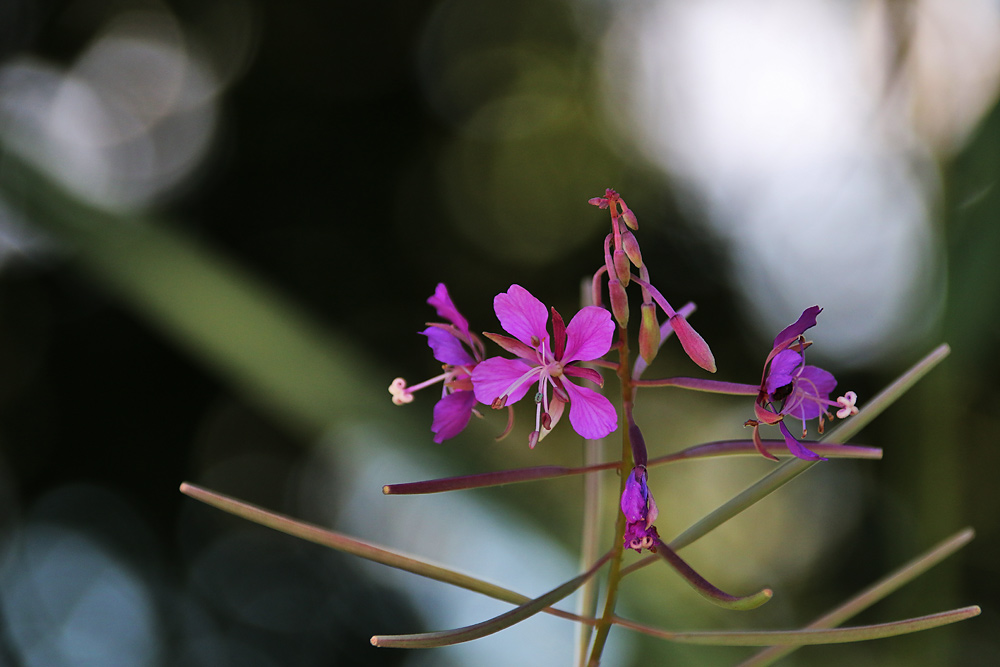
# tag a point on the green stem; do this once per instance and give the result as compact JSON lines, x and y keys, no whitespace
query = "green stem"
{"x":614,"y":575}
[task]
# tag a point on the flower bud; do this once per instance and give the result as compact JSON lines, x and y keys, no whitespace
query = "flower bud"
{"x":629,"y":217}
{"x":622,"y":268}
{"x":692,"y":342}
{"x":649,"y":333}
{"x":631,"y":247}
{"x":619,"y":301}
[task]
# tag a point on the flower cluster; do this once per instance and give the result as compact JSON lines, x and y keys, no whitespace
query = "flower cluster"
{"x":554,"y":362}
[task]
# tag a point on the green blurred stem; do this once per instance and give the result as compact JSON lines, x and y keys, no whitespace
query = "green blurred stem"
{"x":592,"y":529}
{"x":614,"y":576}
{"x":244,"y":331}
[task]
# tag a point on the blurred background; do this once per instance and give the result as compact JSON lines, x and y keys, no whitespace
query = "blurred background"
{"x":219,"y":224}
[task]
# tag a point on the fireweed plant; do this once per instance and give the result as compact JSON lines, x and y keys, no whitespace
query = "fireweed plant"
{"x":553,"y":364}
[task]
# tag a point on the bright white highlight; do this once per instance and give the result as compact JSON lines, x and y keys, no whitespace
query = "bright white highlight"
{"x":769,"y":118}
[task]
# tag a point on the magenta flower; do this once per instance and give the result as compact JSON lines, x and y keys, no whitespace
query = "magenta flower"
{"x":459,"y":350}
{"x":640,"y":512}
{"x":548,"y":362}
{"x":791,"y":388}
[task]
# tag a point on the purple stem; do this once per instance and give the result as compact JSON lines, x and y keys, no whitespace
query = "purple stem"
{"x":697,"y":384}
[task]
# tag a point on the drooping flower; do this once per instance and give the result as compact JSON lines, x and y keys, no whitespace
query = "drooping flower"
{"x":790,"y":388}
{"x":459,"y":351}
{"x":549,"y":362}
{"x":640,"y":512}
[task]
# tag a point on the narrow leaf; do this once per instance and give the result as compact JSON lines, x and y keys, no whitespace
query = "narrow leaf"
{"x":361,"y":548}
{"x":468,"y":633}
{"x":486,"y":479}
{"x":776,"y":447}
{"x":808,"y":637}
{"x":697,"y":384}
{"x":703,"y":451}
{"x":707,"y":590}
{"x":872,"y":594}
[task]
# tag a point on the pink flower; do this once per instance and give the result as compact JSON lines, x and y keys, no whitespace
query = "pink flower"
{"x":459,"y":351}
{"x":549,"y":362}
{"x":790,"y":388}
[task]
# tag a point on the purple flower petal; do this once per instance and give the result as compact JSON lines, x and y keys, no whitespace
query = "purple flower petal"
{"x":806,"y":320}
{"x":513,"y":345}
{"x":812,"y":389}
{"x":635,"y":498}
{"x":585,"y":373}
{"x":782,"y":368}
{"x":446,"y":309}
{"x":796,"y":447}
{"x":590,"y":413}
{"x":521,"y":314}
{"x":493,"y":377}
{"x":451,"y":415}
{"x":447,"y":348}
{"x":589,"y":335}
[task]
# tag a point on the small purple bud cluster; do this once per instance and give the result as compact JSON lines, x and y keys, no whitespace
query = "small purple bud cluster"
{"x":640,"y":512}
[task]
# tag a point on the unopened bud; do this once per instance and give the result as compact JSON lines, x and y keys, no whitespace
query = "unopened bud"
{"x":649,"y":333}
{"x":629,"y":217}
{"x":631,"y":247}
{"x":622,"y":268}
{"x":619,"y":301}
{"x":692,"y":342}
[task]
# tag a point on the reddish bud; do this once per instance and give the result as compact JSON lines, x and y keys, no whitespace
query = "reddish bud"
{"x":622,"y":268}
{"x":649,"y":333}
{"x":619,"y":301}
{"x":629,"y":217}
{"x":631,"y":247}
{"x":692,"y":342}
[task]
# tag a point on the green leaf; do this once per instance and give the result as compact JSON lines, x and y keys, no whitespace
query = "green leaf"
{"x":360,"y":548}
{"x":872,"y":594}
{"x":808,"y":637}
{"x":468,"y":633}
{"x":707,"y":590}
